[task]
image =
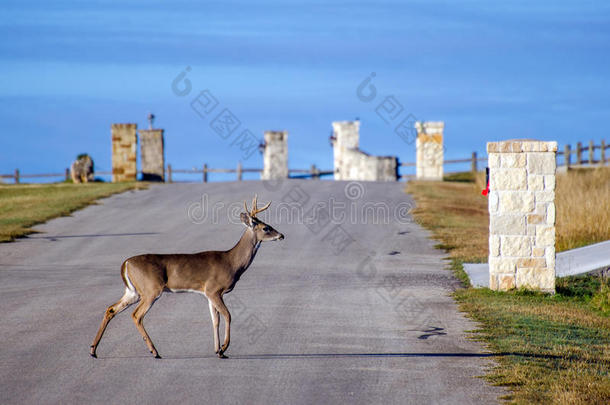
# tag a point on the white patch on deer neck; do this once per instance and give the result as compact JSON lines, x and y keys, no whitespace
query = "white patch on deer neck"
{"x":258,"y":244}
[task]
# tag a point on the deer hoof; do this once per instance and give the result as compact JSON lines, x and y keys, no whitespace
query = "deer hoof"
{"x":221,"y":355}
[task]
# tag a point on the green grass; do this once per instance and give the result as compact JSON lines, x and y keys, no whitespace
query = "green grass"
{"x":549,"y":348}
{"x":25,"y":205}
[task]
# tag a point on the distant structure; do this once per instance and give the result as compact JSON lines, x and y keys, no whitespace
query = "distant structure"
{"x":124,"y":141}
{"x":152,"y":153}
{"x":81,"y":169}
{"x":429,"y":150}
{"x":275,"y":155}
{"x":350,"y":163}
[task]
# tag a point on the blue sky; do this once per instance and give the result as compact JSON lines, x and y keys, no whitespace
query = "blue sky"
{"x":490,"y":70}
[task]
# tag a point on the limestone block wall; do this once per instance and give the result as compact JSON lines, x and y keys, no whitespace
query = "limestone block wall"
{"x":152,"y":156}
{"x":358,"y":165}
{"x":429,"y":150}
{"x":386,"y":168}
{"x":350,"y":163}
{"x":275,"y":155}
{"x":124,"y":141}
{"x":522,"y":214}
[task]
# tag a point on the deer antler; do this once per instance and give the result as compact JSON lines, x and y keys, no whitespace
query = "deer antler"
{"x":256,"y":210}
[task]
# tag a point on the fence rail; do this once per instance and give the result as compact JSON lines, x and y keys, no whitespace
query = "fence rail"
{"x":314,"y":173}
{"x":577,"y":152}
{"x":473,"y":160}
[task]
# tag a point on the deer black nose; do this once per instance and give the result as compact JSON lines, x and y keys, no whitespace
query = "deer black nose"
{"x":281,"y":236}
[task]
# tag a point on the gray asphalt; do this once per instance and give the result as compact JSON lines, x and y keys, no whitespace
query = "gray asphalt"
{"x":352,"y":310}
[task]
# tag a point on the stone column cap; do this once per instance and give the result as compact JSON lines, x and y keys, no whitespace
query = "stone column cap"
{"x":277,"y":135}
{"x":430,"y":124}
{"x":346,"y":123}
{"x":521,"y":145}
{"x":125,"y":125}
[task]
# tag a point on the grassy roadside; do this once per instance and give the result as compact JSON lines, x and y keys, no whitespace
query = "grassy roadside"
{"x":25,"y":205}
{"x":551,"y":349}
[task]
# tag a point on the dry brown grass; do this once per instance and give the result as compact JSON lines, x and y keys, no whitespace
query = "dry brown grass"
{"x":457,"y":215}
{"x":583,"y":208}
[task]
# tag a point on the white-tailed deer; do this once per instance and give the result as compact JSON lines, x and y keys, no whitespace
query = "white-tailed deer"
{"x":212,"y":273}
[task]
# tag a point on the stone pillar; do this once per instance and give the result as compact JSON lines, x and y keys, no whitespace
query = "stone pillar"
{"x":275,"y":155}
{"x":124,"y":140}
{"x":522,"y":214}
{"x":429,"y":150}
{"x":152,"y":155}
{"x":346,"y":136}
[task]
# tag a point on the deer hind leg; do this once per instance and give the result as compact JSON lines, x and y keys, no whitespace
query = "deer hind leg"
{"x":138,"y":318}
{"x":130,"y":297}
{"x":216,"y":300}
{"x":215,"y":325}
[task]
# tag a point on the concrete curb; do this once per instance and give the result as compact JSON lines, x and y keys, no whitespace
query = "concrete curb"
{"x":569,"y":263}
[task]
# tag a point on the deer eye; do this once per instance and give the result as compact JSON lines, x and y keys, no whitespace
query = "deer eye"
{"x":266,"y":229}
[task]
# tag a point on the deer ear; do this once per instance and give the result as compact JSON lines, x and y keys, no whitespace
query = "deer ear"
{"x":246,"y":219}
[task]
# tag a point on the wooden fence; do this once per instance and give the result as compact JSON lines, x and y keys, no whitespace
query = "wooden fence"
{"x":579,"y":156}
{"x":313,"y":172}
{"x":577,"y":152}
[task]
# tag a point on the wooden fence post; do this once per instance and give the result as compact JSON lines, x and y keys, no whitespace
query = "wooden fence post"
{"x":473,"y":164}
{"x":16,"y":176}
{"x":591,"y":152}
{"x":239,"y":171}
{"x":567,"y":156}
{"x":169,"y":173}
{"x":578,"y":153}
{"x":602,"y":158}
{"x":205,"y":172}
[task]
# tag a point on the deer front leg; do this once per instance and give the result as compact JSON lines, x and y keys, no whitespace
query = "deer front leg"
{"x":215,"y":324}
{"x":216,"y":300}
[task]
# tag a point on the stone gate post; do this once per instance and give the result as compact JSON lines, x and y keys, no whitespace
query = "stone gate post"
{"x":275,"y":155}
{"x":522,"y":214}
{"x":124,"y":141}
{"x":429,"y":150}
{"x":345,"y":139}
{"x":152,"y":154}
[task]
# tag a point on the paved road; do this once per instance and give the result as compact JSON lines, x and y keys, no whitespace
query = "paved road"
{"x":351,"y":310}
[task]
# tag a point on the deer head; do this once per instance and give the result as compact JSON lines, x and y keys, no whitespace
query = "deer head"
{"x":262,"y":231}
